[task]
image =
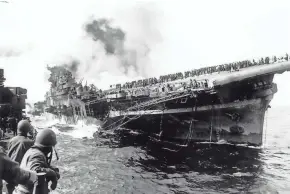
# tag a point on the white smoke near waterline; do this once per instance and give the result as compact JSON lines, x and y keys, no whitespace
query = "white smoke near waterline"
{"x":79,"y":130}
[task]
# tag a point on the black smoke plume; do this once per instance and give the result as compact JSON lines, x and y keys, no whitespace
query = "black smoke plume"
{"x":72,"y":66}
{"x":113,"y":39}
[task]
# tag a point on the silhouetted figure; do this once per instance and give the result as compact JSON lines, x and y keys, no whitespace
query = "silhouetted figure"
{"x":267,"y":60}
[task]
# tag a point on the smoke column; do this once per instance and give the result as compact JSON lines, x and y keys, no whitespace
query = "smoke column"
{"x":113,"y":51}
{"x":102,"y":43}
{"x":159,"y":38}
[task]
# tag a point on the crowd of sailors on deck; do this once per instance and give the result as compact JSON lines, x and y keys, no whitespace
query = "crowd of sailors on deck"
{"x":202,"y":71}
{"x":156,"y":90}
{"x":168,"y":82}
{"x":236,"y":66}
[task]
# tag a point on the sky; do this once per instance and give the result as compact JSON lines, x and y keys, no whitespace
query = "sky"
{"x":180,"y":35}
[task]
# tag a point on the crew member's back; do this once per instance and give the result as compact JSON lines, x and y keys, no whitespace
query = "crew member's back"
{"x":19,"y":144}
{"x":38,"y":159}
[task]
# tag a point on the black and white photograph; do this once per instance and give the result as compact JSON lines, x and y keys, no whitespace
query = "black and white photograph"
{"x":144,"y":97}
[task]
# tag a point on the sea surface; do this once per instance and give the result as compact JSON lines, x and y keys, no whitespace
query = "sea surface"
{"x":131,"y":163}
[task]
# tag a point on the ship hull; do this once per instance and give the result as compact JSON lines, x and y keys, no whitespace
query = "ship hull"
{"x":237,"y":122}
{"x":220,"y":107}
{"x":232,"y":113}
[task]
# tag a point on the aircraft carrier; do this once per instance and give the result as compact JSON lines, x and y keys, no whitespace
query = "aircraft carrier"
{"x":211,"y":104}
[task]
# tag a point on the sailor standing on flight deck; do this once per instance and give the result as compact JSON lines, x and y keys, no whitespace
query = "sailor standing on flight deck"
{"x":18,"y":146}
{"x":38,"y":159}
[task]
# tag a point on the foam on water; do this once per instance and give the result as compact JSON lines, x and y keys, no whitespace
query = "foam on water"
{"x":79,"y":130}
{"x":59,"y":126}
{"x":42,"y":122}
{"x":128,"y":163}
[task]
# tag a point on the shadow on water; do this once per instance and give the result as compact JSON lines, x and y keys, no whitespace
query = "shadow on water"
{"x":203,"y":167}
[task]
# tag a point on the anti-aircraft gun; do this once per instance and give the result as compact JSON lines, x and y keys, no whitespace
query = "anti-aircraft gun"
{"x":12,"y":99}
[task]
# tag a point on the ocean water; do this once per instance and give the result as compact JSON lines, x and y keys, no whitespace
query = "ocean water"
{"x":131,"y":163}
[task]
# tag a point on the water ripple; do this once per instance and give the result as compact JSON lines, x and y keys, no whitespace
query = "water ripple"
{"x":124,"y":163}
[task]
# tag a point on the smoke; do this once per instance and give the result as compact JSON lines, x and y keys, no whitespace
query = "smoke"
{"x":4,"y":52}
{"x":114,"y":42}
{"x":115,"y":48}
{"x":159,"y":37}
{"x":112,"y":38}
{"x":71,"y":66}
{"x":102,"y":43}
{"x":121,"y":50}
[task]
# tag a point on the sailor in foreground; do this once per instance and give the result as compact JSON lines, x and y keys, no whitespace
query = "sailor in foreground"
{"x":11,"y":172}
{"x":38,"y":159}
{"x":18,"y":146}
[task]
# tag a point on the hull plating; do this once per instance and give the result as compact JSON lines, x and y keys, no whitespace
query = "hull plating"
{"x":238,"y":122}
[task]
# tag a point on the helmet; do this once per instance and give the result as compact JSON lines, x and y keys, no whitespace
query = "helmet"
{"x":45,"y":138}
{"x":23,"y":127}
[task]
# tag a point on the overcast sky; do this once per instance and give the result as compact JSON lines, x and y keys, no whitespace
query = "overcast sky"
{"x":181,"y":35}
